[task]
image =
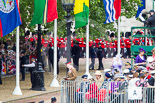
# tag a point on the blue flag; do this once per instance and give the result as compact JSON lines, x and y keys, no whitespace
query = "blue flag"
{"x":140,"y":8}
{"x":112,"y":10}
{"x":9,"y":16}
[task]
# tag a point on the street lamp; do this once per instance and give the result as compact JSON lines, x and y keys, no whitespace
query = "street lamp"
{"x":68,"y":7}
{"x":39,"y":72}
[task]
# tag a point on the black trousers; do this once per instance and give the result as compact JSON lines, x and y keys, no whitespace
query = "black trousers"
{"x":128,"y":53}
{"x":52,"y":62}
{"x":32,"y":78}
{"x":109,"y":52}
{"x":58,"y":67}
{"x":100,"y":63}
{"x":91,"y":66}
{"x":122,"y":52}
{"x":115,"y":52}
{"x":22,"y":70}
{"x":0,"y":78}
{"x":80,"y":52}
{"x":104,"y":53}
{"x":62,"y":52}
{"x":112,"y":52}
{"x":76,"y":62}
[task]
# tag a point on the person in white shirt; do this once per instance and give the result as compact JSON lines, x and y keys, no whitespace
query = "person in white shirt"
{"x":132,"y":82}
{"x":31,"y":67}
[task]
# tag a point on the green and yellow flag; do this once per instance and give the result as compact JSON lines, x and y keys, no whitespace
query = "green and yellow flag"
{"x":81,"y":11}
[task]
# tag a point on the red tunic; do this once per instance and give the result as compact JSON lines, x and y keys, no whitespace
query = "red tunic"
{"x":31,"y":39}
{"x":127,"y":43}
{"x":80,"y":44}
{"x":115,"y":45}
{"x":36,"y":38}
{"x":97,"y":41}
{"x":122,"y":43}
{"x":83,"y":44}
{"x":136,"y":41}
{"x":102,"y":45}
{"x":72,"y":43}
{"x":90,"y":43}
{"x":107,"y":44}
{"x":112,"y":44}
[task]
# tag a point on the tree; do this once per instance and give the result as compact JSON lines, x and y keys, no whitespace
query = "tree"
{"x":97,"y":17}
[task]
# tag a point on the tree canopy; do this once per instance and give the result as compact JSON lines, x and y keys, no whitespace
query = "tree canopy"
{"x":97,"y":17}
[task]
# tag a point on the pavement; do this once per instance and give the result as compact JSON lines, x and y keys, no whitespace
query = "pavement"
{"x":35,"y":96}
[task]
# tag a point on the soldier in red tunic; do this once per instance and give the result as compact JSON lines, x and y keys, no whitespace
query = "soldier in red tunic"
{"x":122,"y":46}
{"x":128,"y":45}
{"x":112,"y":46}
{"x":108,"y":48}
{"x":103,"y":46}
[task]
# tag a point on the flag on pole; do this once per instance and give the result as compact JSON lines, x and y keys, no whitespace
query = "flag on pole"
{"x":81,"y":11}
{"x":44,"y":11}
{"x":139,"y":14}
{"x":9,"y":16}
{"x":112,"y":10}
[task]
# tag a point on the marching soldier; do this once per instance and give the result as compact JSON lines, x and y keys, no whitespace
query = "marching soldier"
{"x":122,"y":46}
{"x":112,"y":45}
{"x":103,"y":46}
{"x":108,"y":49}
{"x":128,"y":46}
{"x":115,"y":47}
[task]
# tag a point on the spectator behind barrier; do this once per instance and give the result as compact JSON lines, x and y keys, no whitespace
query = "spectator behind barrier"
{"x":53,"y":100}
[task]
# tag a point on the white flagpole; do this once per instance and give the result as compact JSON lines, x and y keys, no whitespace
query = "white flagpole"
{"x":118,"y":45}
{"x":87,"y":50}
{"x":17,"y":90}
{"x":55,"y":82}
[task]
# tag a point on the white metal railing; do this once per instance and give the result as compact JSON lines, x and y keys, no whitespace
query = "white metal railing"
{"x":103,"y":92}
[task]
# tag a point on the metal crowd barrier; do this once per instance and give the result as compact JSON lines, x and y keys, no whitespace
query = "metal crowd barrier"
{"x":104,"y":92}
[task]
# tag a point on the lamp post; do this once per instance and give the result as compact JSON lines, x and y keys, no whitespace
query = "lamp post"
{"x":68,"y":7}
{"x":39,"y":72}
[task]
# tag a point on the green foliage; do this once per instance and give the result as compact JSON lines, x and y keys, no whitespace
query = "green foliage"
{"x":26,"y":12}
{"x":97,"y":17}
{"x":129,"y":7}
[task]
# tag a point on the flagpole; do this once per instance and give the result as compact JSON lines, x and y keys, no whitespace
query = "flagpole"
{"x":118,"y":45}
{"x":87,"y":50}
{"x":55,"y":82}
{"x":17,"y":90}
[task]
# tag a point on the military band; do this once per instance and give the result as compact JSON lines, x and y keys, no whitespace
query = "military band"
{"x":108,"y":45}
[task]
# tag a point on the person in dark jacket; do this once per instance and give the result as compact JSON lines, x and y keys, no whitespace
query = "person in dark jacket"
{"x":149,"y":78}
{"x":53,"y":100}
{"x":51,"y":58}
{"x":93,"y":56}
{"x":22,"y":62}
{"x":0,"y":68}
{"x":76,"y":55}
{"x":100,"y":56}
{"x":151,"y":22}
